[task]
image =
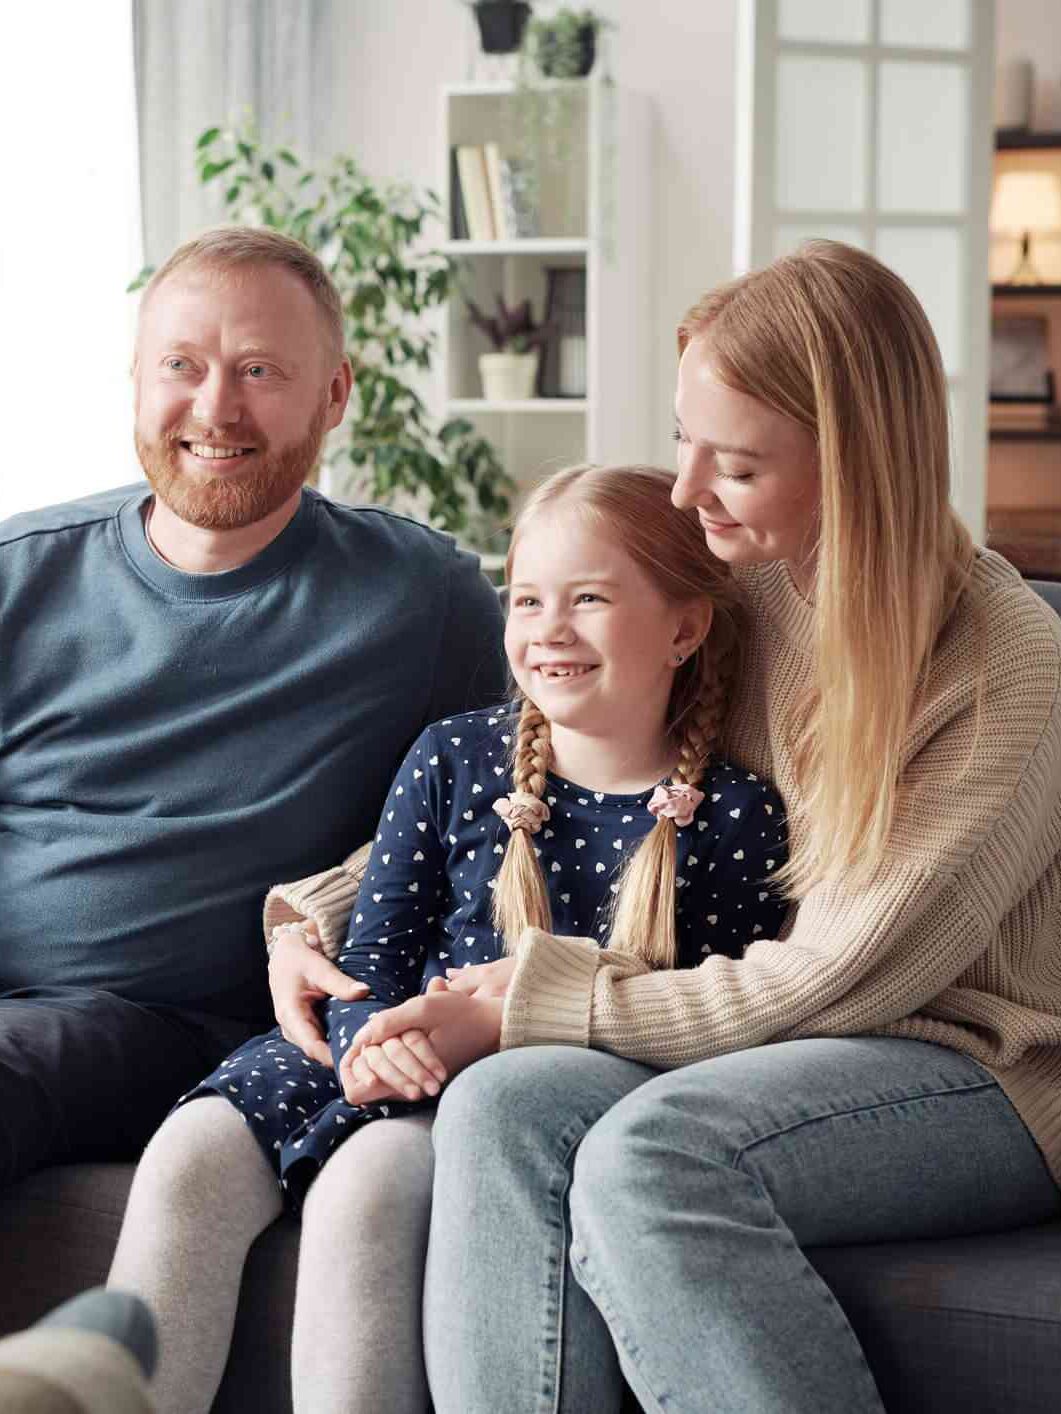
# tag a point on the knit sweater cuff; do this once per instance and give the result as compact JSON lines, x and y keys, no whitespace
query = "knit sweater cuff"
{"x":550,"y":998}
{"x":326,"y":899}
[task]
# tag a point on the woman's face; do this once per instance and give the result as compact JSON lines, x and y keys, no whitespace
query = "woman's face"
{"x":751,"y":473}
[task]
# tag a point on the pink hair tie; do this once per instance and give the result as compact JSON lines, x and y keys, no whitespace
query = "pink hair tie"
{"x":522,"y":811}
{"x":677,"y":803}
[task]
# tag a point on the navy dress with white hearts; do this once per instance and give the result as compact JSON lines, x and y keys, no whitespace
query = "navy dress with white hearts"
{"x":424,"y":906}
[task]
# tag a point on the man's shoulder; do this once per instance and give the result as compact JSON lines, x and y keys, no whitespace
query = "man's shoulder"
{"x":99,"y":508}
{"x":389,"y":529}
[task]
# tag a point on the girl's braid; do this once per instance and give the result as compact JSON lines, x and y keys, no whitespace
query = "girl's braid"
{"x":534,"y":750}
{"x":702,"y":727}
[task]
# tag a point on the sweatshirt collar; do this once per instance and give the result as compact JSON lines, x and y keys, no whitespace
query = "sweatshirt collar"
{"x":175,"y":583}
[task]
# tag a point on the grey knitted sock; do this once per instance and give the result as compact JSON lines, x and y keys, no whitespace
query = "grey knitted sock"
{"x":118,"y":1314}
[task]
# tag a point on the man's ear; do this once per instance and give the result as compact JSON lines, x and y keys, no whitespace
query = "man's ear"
{"x":339,"y":386}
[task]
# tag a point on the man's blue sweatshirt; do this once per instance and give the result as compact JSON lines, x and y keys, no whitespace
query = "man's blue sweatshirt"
{"x":171,"y":744}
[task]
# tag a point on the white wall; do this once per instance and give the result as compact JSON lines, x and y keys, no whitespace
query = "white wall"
{"x":69,"y":245}
{"x":391,"y":56}
{"x":1028,"y":29}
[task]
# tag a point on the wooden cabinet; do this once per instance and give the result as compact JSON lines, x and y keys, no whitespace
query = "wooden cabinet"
{"x":1024,"y":453}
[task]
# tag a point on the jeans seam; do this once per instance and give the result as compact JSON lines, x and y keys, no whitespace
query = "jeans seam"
{"x":567,"y":1146}
{"x":858,"y":1110}
{"x":600,"y":1298}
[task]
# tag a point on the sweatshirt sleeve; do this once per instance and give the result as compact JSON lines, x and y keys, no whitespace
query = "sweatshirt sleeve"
{"x":471,"y":670}
{"x":978,"y":798}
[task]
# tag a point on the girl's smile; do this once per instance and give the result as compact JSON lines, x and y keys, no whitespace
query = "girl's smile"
{"x":594,"y":643}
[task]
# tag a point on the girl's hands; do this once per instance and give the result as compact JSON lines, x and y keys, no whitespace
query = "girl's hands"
{"x":457,"y":1027}
{"x":402,"y":1068}
{"x":486,"y":979}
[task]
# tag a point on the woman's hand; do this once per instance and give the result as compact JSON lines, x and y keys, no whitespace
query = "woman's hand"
{"x":458,"y":1028}
{"x":299,"y":977}
{"x":485,"y":979}
{"x":402,"y":1068}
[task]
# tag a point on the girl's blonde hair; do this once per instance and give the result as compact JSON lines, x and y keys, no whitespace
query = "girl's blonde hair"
{"x":633,"y":505}
{"x":835,"y":340}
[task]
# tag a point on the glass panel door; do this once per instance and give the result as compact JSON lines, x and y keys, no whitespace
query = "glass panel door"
{"x":871,"y":122}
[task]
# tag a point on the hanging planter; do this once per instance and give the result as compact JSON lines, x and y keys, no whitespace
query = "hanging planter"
{"x":501,"y":24}
{"x":564,"y":46}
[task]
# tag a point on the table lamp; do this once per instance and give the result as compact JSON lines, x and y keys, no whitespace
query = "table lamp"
{"x":1026,"y":204}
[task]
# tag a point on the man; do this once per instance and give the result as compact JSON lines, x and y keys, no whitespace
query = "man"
{"x":204,"y":690}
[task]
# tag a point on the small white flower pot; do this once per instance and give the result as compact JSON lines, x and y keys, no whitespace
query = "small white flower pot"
{"x":508,"y":377}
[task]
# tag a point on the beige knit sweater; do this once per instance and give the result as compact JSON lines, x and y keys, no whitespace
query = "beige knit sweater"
{"x":957,"y":938}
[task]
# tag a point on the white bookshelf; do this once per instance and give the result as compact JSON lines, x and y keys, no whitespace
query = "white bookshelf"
{"x":595,"y":211}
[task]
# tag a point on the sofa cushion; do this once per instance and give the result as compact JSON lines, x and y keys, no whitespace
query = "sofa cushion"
{"x":966,"y":1323}
{"x":58,"y":1231}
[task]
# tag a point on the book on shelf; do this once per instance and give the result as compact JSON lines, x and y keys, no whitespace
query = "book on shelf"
{"x":490,"y":195}
{"x":475,"y":189}
{"x":458,"y":216}
{"x":492,"y":160}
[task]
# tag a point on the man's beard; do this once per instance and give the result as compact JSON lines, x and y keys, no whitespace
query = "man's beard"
{"x":229,"y":502}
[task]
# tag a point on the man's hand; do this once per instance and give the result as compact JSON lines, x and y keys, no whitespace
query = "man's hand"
{"x":299,"y":976}
{"x":485,"y":979}
{"x":458,"y":1028}
{"x":402,"y":1068}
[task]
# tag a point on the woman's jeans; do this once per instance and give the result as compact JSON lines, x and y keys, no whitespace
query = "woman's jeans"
{"x":680,"y":1202}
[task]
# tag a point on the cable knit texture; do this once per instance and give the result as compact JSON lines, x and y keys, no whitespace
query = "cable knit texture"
{"x":956,"y":939}
{"x":326,"y":899}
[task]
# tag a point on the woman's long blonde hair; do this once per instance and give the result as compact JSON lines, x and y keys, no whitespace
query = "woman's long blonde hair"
{"x":835,"y":340}
{"x":632,"y":504}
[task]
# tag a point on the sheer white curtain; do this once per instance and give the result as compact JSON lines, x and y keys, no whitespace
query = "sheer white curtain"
{"x":206,"y":63}
{"x":69,"y":245}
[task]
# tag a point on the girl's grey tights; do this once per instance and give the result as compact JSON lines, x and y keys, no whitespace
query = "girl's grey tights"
{"x":202,"y":1194}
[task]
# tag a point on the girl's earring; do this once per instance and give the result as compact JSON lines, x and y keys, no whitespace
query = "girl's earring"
{"x":679,"y":659}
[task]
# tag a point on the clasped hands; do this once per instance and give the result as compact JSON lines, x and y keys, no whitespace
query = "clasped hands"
{"x":406,"y":1052}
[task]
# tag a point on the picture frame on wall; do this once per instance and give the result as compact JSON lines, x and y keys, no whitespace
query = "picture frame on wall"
{"x":1020,"y":360}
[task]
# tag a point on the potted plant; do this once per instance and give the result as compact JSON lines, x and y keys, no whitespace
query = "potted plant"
{"x":564,"y":45}
{"x":511,"y":371}
{"x":388,"y":449}
{"x":501,"y":24}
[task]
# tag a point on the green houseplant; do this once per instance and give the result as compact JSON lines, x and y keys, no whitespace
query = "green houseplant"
{"x":564,"y":45}
{"x":558,"y":53}
{"x":388,"y":449}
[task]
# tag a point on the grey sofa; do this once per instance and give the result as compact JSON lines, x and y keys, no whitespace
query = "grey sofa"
{"x":968,"y":1324}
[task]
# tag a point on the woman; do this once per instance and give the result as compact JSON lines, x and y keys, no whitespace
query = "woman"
{"x":629,"y":1185}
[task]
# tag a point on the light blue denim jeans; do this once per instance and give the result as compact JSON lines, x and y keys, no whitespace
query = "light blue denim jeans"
{"x":680,"y":1201}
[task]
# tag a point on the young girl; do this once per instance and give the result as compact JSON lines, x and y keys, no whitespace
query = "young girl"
{"x":595,"y":805}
